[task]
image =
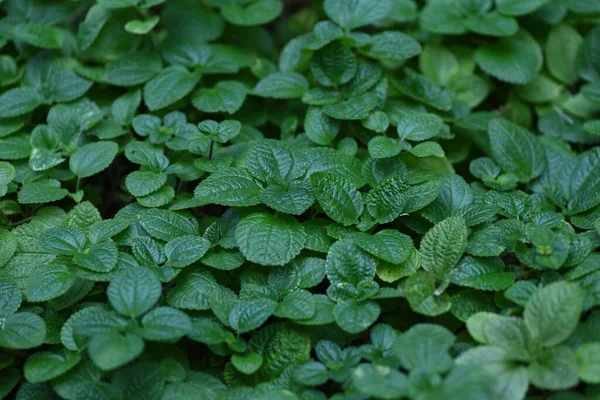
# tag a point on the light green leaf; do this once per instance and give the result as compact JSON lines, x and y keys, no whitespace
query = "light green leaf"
{"x":248,"y":363}
{"x":142,"y":183}
{"x":319,"y":127}
{"x":561,"y":49}
{"x":516,"y":7}
{"x":166,"y":225}
{"x":112,"y":349}
{"x":482,"y":274}
{"x":588,"y":361}
{"x":425,"y":347}
{"x":140,"y":27}
{"x":48,"y":282}
{"x":553,"y":312}
{"x":354,"y":108}
{"x":554,"y":369}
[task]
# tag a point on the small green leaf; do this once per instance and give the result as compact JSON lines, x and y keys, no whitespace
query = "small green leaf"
{"x":139,"y":27}
{"x":281,"y":85}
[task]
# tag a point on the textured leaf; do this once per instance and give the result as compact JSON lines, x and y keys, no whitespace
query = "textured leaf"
{"x":134,"y":291}
{"x":516,"y":59}
{"x":443,"y":245}
{"x":92,"y":158}
{"x":356,"y":13}
{"x":552,"y":313}
{"x":338,"y":197}
{"x":170,"y":85}
{"x":516,"y":150}
{"x":281,"y":85}
{"x":270,"y":239}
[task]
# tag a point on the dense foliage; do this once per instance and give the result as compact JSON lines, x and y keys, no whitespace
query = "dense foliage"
{"x":300,"y":199}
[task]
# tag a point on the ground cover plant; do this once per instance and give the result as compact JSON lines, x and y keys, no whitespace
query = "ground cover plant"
{"x":300,"y":199}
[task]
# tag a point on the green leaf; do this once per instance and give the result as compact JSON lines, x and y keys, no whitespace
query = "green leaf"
{"x":166,"y":225}
{"x":41,"y":192}
{"x":171,"y":84}
{"x":248,"y":363}
{"x":334,"y":64}
{"x":347,"y":263}
{"x":99,"y":257}
{"x":354,"y":108}
{"x":482,"y":274}
{"x":380,"y":381}
{"x":112,"y":349}
{"x":132,"y":69}
{"x":420,"y":293}
{"x":319,"y":127}
{"x":225,"y":96}
{"x":10,"y":299}
{"x":561,"y":49}
{"x":46,"y":365}
{"x":165,"y":323}
{"x":67,"y":241}
{"x":281,"y":85}
{"x":516,"y":150}
{"x":19,"y":101}
{"x":516,"y":7}
{"x":229,"y":187}
{"x":419,"y":127}
{"x":142,"y":183}
{"x":391,"y":46}
{"x":554,"y":369}
{"x":356,"y":13}
{"x":48,"y":282}
{"x":387,"y":244}
{"x":588,"y":361}
{"x":427,"y":149}
{"x":134,"y":291}
{"x":553,"y":312}
{"x":185,"y":250}
{"x":22,"y":330}
{"x":139,"y":27}
{"x":354,"y":317}
{"x":44,"y":36}
{"x":270,"y":239}
{"x":425,"y":347}
{"x":443,"y":245}
{"x":93,"y":158}
{"x":516,"y":59}
{"x":386,"y":200}
{"x":385,"y":147}
{"x":258,"y":12}
{"x":337,"y":196}
{"x":249,"y":314}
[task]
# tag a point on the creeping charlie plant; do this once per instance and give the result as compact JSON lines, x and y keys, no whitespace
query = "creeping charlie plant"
{"x":300,"y":199}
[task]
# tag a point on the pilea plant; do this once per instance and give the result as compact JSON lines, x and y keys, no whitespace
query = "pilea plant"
{"x":299,"y":200}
